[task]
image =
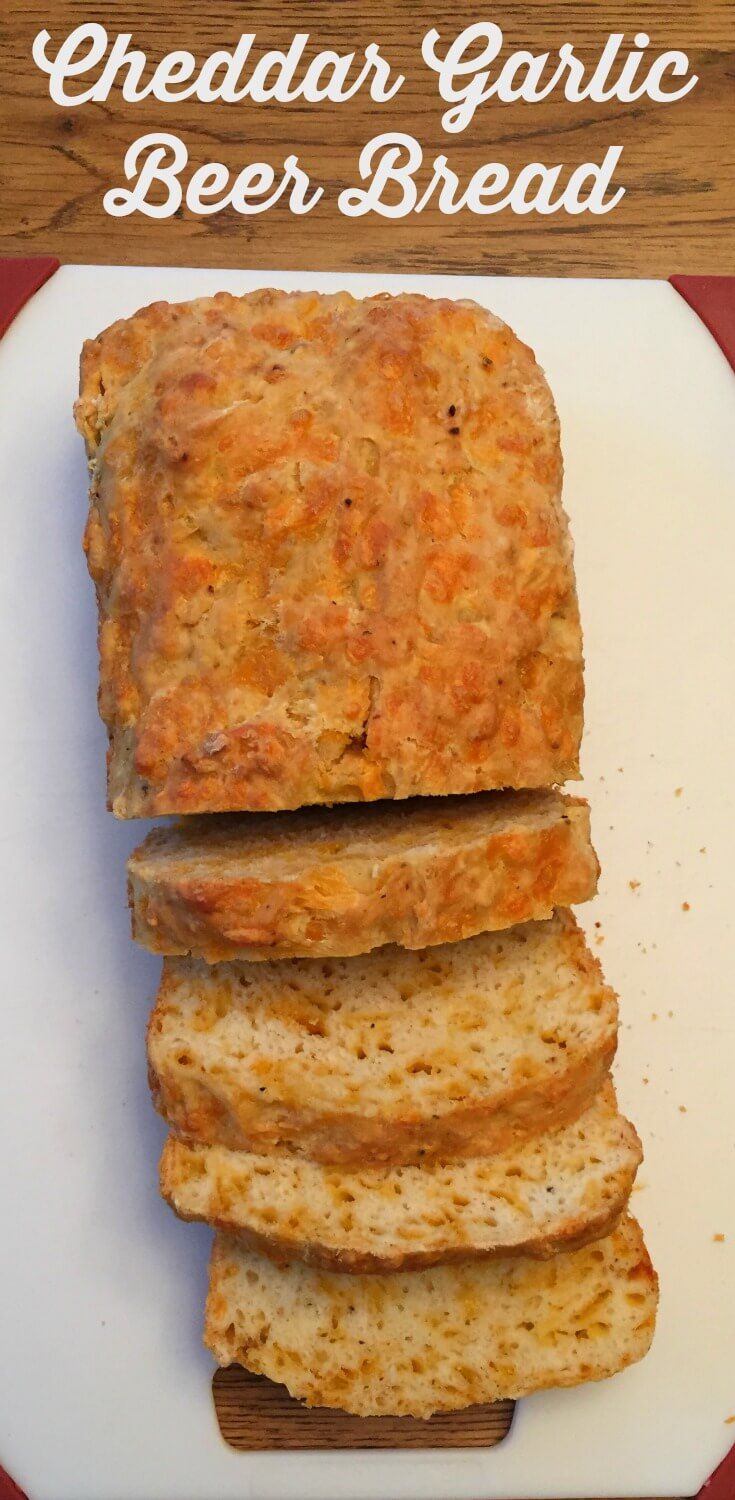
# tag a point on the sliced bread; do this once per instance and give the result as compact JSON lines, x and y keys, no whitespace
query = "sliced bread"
{"x":556,"y":1192}
{"x":394,"y":1056}
{"x":307,"y":884}
{"x":436,"y":1340}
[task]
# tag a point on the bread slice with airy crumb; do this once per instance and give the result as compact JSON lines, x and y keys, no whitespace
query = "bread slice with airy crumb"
{"x":556,"y":1192}
{"x":310,"y":884}
{"x":415,"y":1343}
{"x":390,"y":1057}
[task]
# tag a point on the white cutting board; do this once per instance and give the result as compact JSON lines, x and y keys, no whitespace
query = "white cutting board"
{"x":104,"y":1383}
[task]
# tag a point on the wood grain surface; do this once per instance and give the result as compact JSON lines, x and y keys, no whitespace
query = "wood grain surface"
{"x":254,"y":1414}
{"x":678,"y":162}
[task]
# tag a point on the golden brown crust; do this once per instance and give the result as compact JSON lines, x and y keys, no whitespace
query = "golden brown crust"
{"x":329,"y":552}
{"x":425,"y":874}
{"x":197,"y":1113}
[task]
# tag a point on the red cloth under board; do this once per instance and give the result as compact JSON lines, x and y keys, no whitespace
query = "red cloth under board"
{"x":19,"y":279}
{"x":712,"y":298}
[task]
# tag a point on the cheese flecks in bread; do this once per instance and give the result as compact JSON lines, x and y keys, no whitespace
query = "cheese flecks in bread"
{"x":389,"y":1057}
{"x":330,"y":555}
{"x":341,"y":882}
{"x":560,"y":1190}
{"x":437,"y":1340}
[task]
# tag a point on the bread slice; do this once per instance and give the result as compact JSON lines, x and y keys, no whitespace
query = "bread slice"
{"x":553,"y":1193}
{"x":459,"y":1050}
{"x":307,"y":884}
{"x":411,"y":1344}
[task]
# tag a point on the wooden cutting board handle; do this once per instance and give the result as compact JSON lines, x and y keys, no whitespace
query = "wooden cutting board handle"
{"x":254,"y":1413}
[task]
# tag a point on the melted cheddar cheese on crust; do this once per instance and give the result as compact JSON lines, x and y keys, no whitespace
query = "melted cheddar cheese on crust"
{"x":330,"y":555}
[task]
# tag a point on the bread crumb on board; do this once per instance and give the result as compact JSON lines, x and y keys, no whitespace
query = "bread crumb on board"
{"x":685,"y":906}
{"x":634,"y":884}
{"x":678,"y":791}
{"x":719,"y":1239}
{"x":728,"y":1420}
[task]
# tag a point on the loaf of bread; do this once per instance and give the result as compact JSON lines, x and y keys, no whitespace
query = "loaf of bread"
{"x":330,"y":555}
{"x":316,"y":884}
{"x":389,"y":1057}
{"x":553,"y":1193}
{"x":411,"y":1344}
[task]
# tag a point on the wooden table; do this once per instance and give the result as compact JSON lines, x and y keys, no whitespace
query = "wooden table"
{"x":678,"y":162}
